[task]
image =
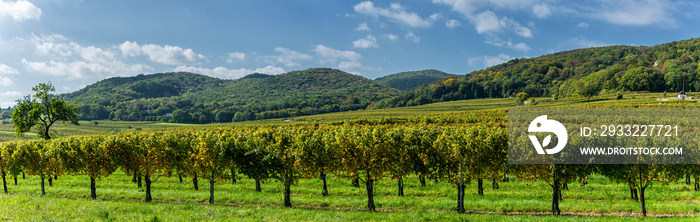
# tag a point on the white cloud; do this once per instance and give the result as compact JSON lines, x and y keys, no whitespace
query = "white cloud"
{"x":392,"y":37}
{"x":489,"y":61}
{"x":74,"y":61}
{"x":19,"y":10}
{"x":167,"y":55}
{"x":366,"y":42}
{"x":7,"y":104}
{"x":10,"y":94}
{"x":235,"y":56}
{"x":541,"y":11}
{"x":412,"y":37}
{"x":581,"y":42}
{"x":487,"y":22}
{"x":395,"y":12}
{"x":5,"y":69}
{"x":287,"y":57}
{"x":349,"y":65}
{"x":331,"y":55}
{"x":225,"y":73}
{"x":172,"y":55}
{"x":4,"y":81}
{"x":638,"y":13}
{"x":582,"y":25}
{"x":130,"y":48}
{"x":517,"y":46}
{"x":452,"y":23}
{"x":362,"y":27}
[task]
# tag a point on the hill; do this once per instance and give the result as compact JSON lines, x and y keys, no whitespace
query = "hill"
{"x":669,"y":67}
{"x":194,"y":98}
{"x":413,"y":79}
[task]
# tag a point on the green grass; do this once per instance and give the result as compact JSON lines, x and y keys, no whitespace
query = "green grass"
{"x":120,"y":199}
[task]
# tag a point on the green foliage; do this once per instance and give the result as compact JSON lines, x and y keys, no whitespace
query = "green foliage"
{"x":41,"y":111}
{"x":410,"y":80}
{"x":203,"y":99}
{"x":521,"y":97}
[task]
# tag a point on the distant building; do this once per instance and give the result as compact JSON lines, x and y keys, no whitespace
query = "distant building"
{"x":681,"y":95}
{"x":168,"y":114}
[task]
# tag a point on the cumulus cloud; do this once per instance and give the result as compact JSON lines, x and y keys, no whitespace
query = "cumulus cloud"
{"x":392,"y":37}
{"x":582,"y":25}
{"x":395,"y":12}
{"x":5,"y":69}
{"x":4,"y":81}
{"x":489,"y":61}
{"x":74,"y":61}
{"x":362,"y":27}
{"x":287,"y":57}
{"x":167,"y":55}
{"x":330,"y":55}
{"x":235,"y":56}
{"x":452,"y":23}
{"x":225,"y":73}
{"x":19,"y":10}
{"x":412,"y":37}
{"x":366,"y":42}
{"x":541,"y":11}
{"x":486,"y":21}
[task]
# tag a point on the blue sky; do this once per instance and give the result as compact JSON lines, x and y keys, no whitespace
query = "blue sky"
{"x":75,"y":43}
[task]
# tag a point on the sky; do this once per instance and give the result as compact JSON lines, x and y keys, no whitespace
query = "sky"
{"x":74,"y":43}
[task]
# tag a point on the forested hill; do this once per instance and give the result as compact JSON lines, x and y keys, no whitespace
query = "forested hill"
{"x":194,"y":98}
{"x":413,"y":79}
{"x":585,"y":72}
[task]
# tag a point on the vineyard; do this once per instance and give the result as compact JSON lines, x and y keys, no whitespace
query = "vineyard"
{"x":440,"y":165}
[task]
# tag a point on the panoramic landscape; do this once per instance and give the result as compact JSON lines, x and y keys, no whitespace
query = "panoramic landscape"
{"x":339,"y":111}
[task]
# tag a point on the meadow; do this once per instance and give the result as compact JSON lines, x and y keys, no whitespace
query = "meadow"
{"x":119,"y":199}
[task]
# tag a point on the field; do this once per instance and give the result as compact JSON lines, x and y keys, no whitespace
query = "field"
{"x":119,"y":199}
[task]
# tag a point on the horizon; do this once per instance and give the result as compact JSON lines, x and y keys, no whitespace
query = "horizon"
{"x":77,"y":43}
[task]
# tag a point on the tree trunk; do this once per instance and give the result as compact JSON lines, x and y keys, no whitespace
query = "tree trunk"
{"x":697,"y":185}
{"x":481,"y":186}
{"x":148,"y":188}
{"x":505,"y":178}
{"x":370,"y":196}
{"x":50,"y":181}
{"x":133,"y":178}
{"x":233,"y":176}
{"x":356,"y":182}
{"x":687,"y":179}
{"x":641,"y":199}
{"x":43,"y":191}
{"x":287,"y":194}
{"x":4,"y":184}
{"x":23,"y":175}
{"x":460,"y":198}
{"x":55,"y":176}
{"x":421,"y":178}
{"x":324,"y":192}
{"x":633,"y":194}
{"x":16,"y":180}
{"x":495,"y":184}
{"x":257,"y":186}
{"x":400,"y":193}
{"x":195,"y":182}
{"x":555,"y":197}
{"x":138,"y":180}
{"x":93,"y":190}
{"x":565,"y":186}
{"x":180,"y":176}
{"x":211,"y":189}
